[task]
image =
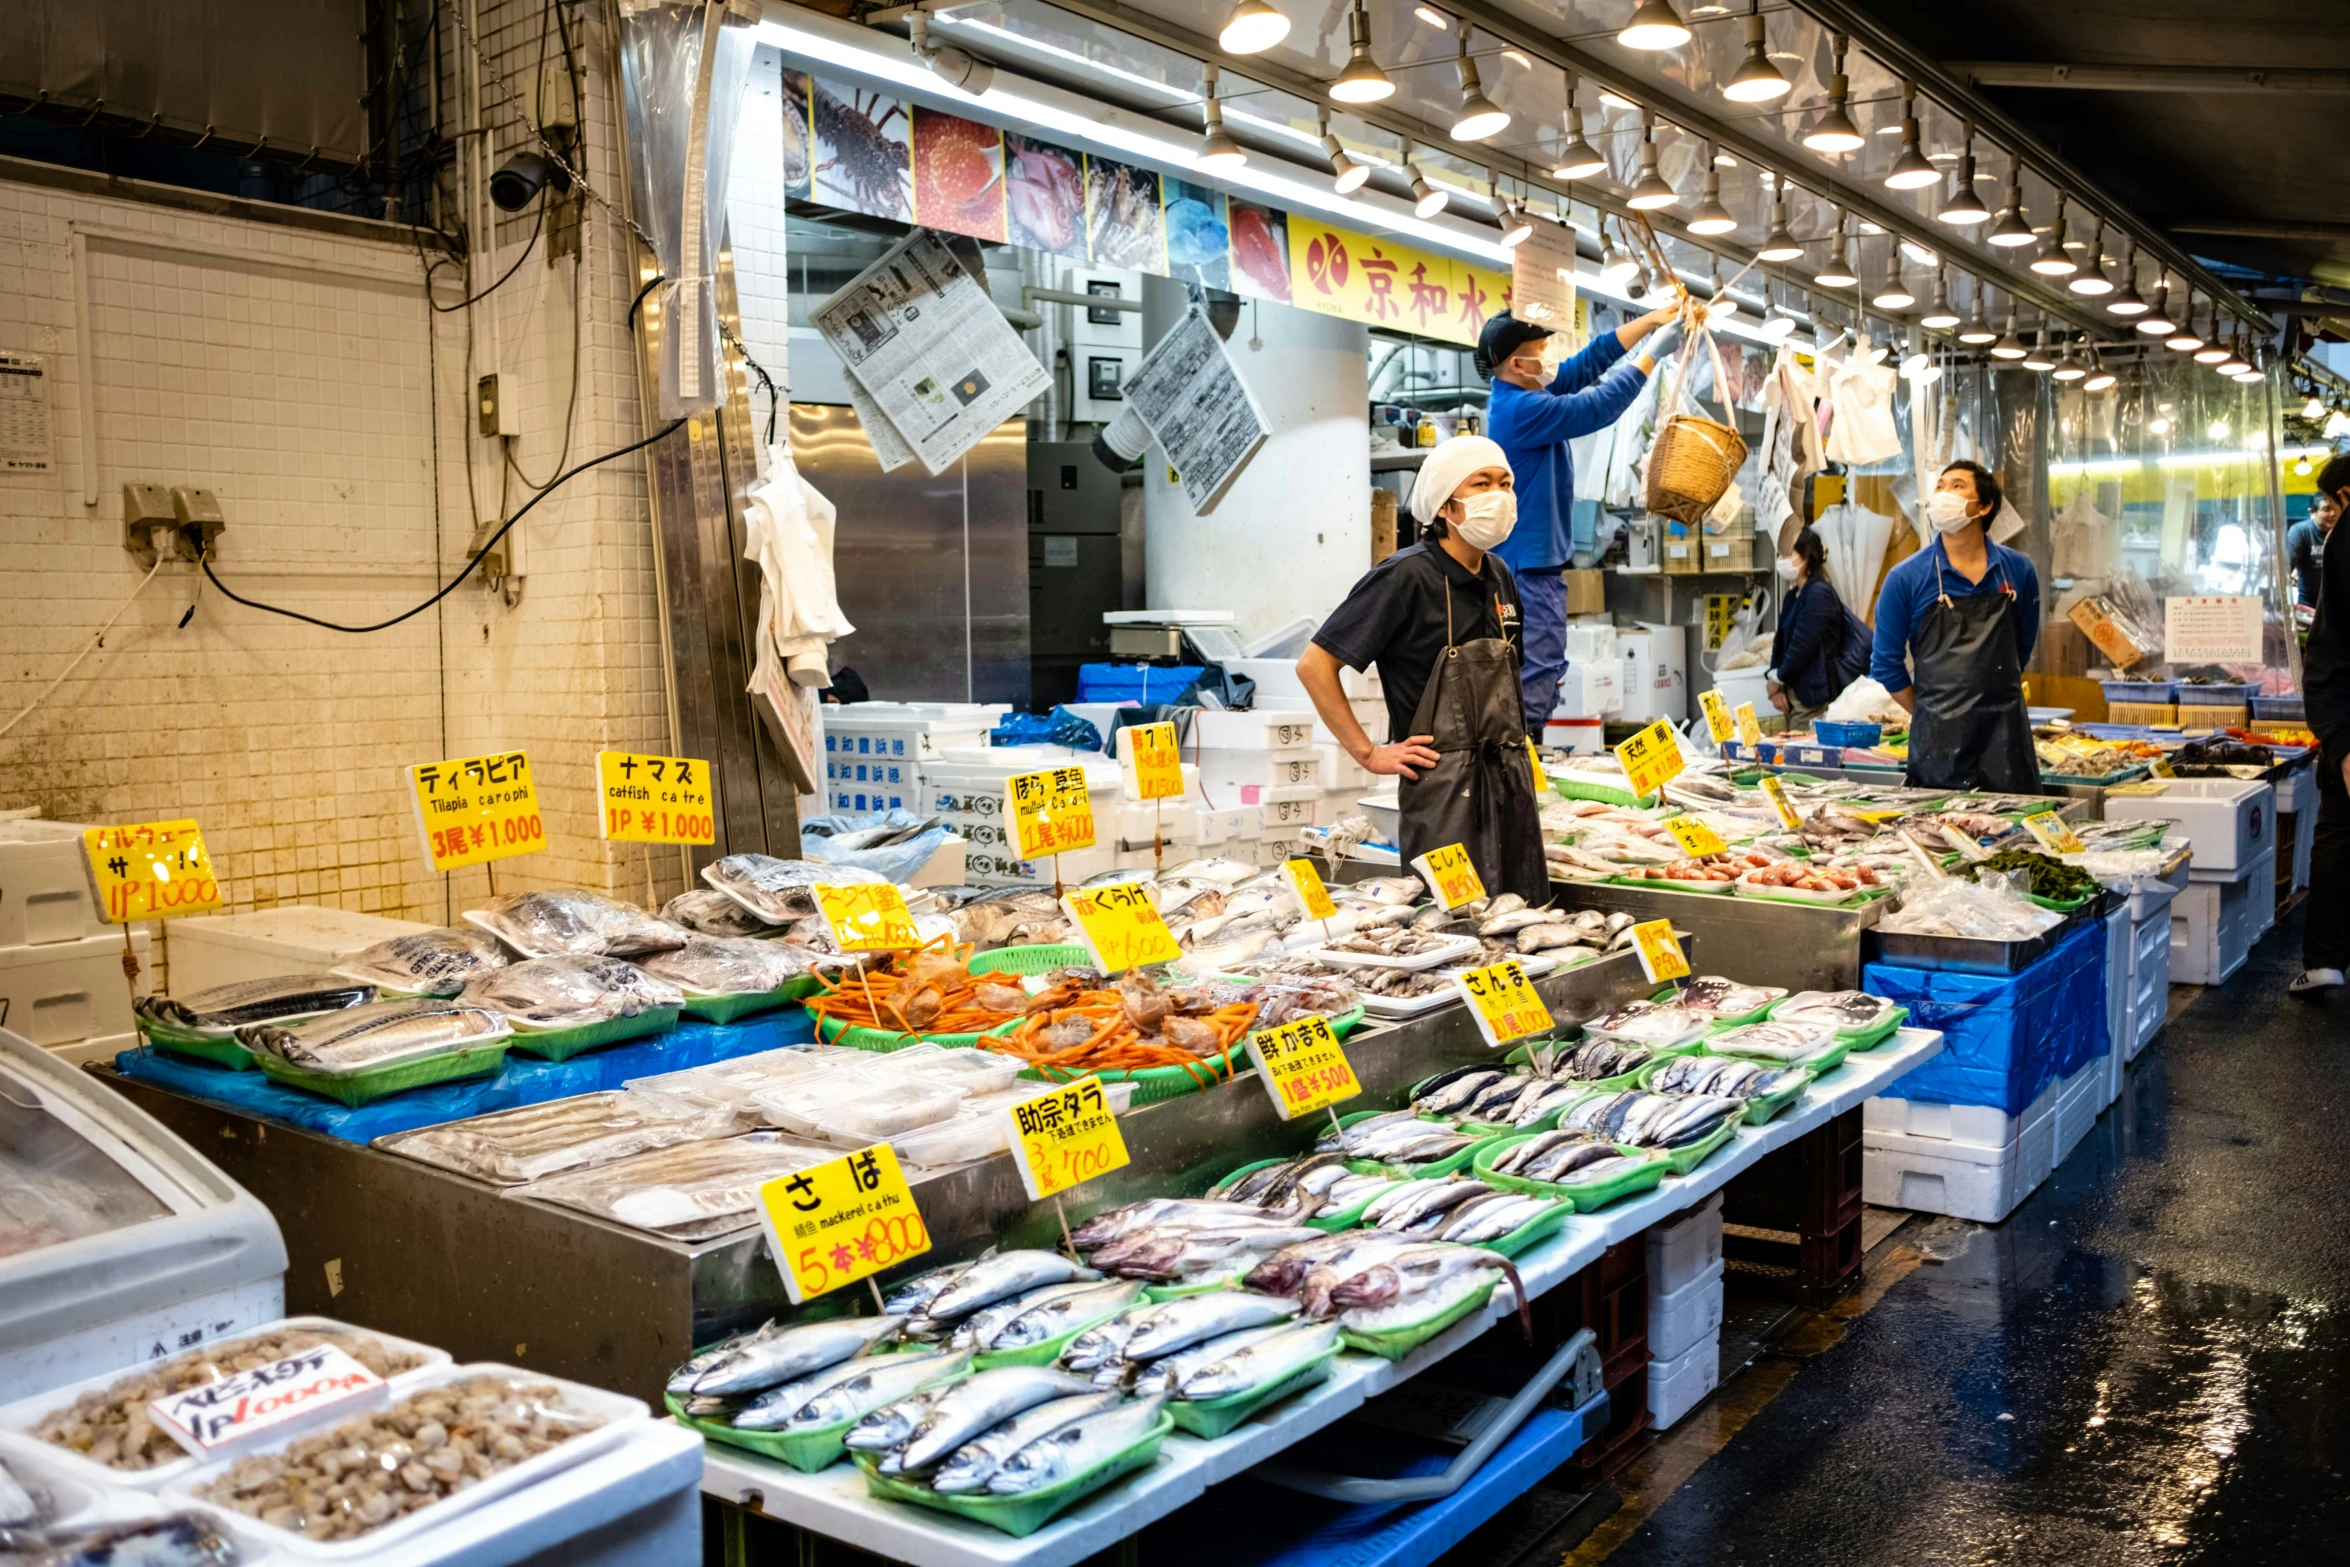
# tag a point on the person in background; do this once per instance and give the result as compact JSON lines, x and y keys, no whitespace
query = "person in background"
{"x":2325,"y":682}
{"x":1532,"y":416}
{"x":1807,"y":651}
{"x":2305,"y":548}
{"x":1955,"y":626}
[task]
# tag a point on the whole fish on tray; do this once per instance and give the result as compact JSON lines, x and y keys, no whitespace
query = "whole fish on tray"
{"x":1076,"y":1447}
{"x":1712,"y":996}
{"x":778,"y":891}
{"x":1725,"y":1075}
{"x":770,"y":1356}
{"x":1042,"y":1315}
{"x":970,"y":1467}
{"x":707,"y":912}
{"x":1594,"y":1059}
{"x":510,"y":1147}
{"x":1173,"y":1254}
{"x":1646,"y":1120}
{"x":571,"y":991}
{"x":690,"y":1192}
{"x":1565,"y":1159}
{"x":850,"y":1391}
{"x":1845,"y":1010}
{"x":378,"y":1034}
{"x":1000,"y":1277}
{"x":978,"y":1404}
{"x":284,"y":999}
{"x":1245,"y":1362}
{"x":729,"y":965}
{"x":1416,"y":1286}
{"x":426,"y":962}
{"x":1788,"y":1042}
{"x":567,"y":919}
{"x":19,"y":1507}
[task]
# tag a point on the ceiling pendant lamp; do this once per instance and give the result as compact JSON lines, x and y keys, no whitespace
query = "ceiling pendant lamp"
{"x":2010,"y":347}
{"x":2100,"y":379}
{"x":1217,"y":151}
{"x":2067,"y":367}
{"x":1719,"y":306}
{"x":1892,"y":293}
{"x":2156,"y":322}
{"x":1579,"y":160}
{"x":1252,"y":28}
{"x":1758,"y":80}
{"x":1654,"y":25}
{"x":2126,"y":301}
{"x":1911,"y":170}
{"x":2012,"y":229}
{"x":1780,"y":244}
{"x":1615,"y":267}
{"x":1513,"y":220}
{"x":1939,"y":316}
{"x":1480,"y":116}
{"x":1778,"y":322}
{"x":1835,"y":134}
{"x":1346,"y":175}
{"x":1362,"y":81}
{"x":1711,"y":217}
{"x":1427,"y":200}
{"x":2235,"y":362}
{"x":1962,"y":208}
{"x":2091,"y":280}
{"x":1836,"y":271}
{"x":2039,"y":359}
{"x":1978,"y":333}
{"x":2186,"y":339}
{"x":1649,"y":192}
{"x":2052,"y":260}
{"x":2213,"y":350}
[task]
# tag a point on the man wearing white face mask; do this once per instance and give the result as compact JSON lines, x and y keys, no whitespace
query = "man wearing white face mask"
{"x":1441,"y":620}
{"x":1955,"y":626}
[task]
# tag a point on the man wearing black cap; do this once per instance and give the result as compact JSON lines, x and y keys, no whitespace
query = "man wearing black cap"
{"x":1533,"y":416}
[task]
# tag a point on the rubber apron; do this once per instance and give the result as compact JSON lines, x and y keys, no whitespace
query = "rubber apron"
{"x":1969,"y":729}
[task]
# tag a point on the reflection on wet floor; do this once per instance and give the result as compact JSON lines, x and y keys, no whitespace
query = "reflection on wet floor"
{"x":2148,"y":1362}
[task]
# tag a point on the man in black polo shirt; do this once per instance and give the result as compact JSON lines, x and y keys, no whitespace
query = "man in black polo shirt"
{"x":1441,"y":620}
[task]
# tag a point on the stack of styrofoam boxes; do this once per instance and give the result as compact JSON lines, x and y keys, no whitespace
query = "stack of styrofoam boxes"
{"x":1591,"y":689}
{"x":293,"y":938}
{"x":1176,"y":820}
{"x":2297,"y":800}
{"x":873,"y":751}
{"x":61,"y":979}
{"x":966,"y":787}
{"x":2150,"y":937}
{"x":1344,"y":783}
{"x":1968,"y":1161}
{"x":1263,"y":758}
{"x":1279,"y":687}
{"x":2231,"y":891}
{"x":1684,"y":1312}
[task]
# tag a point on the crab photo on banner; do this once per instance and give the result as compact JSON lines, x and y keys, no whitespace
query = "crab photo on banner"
{"x":799,"y":132}
{"x":1044,"y":188}
{"x":1124,"y":224}
{"x":864,"y":157}
{"x":958,"y":175}
{"x":1260,"y":251}
{"x":1199,"y":241}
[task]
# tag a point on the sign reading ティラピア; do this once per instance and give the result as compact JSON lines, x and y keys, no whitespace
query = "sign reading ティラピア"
{"x":477,"y":808}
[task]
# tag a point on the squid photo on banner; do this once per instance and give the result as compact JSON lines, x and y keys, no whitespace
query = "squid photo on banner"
{"x":958,"y":175}
{"x":864,"y":157}
{"x":1044,"y":187}
{"x":1199,"y":241}
{"x":1124,"y":224}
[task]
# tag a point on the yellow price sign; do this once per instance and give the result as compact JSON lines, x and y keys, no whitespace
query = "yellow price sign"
{"x":867,"y":916}
{"x":1154,"y":761}
{"x":1064,"y":1138}
{"x":1721,"y":618}
{"x":2163,"y":768}
{"x":2143,"y":787}
{"x":1306,"y":883}
{"x":1534,"y":760}
{"x":1121,"y":926}
{"x":1652,"y":758}
{"x":840,"y":1221}
{"x":1051,"y":810}
{"x":150,"y":871}
{"x":1749,"y":727}
{"x":1717,"y":714}
{"x":1661,"y":957}
{"x":2053,"y":834}
{"x":1503,"y":1001}
{"x":1302,"y":1066}
{"x":654,"y":799}
{"x":1695,"y":836}
{"x":476,"y":809}
{"x":1450,"y":874}
{"x":1776,"y":792}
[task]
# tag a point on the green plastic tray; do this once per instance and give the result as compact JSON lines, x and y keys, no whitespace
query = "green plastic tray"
{"x":203,"y":1047}
{"x":1215,"y":1417}
{"x":1160,"y":1294}
{"x":1410,"y":1172}
{"x":1046,"y":1353}
{"x":358,"y":1088}
{"x":1020,"y":1516}
{"x":1587,"y":1198}
{"x":1606,"y":794}
{"x":806,"y":1451}
{"x":1683,"y":1160}
{"x":1537,"y":1229}
{"x":1859,"y":1038}
{"x":1041,"y":959}
{"x":1757,"y":1110}
{"x":725,"y":1009}
{"x":1396,"y":1345}
{"x":1328,"y":1223}
{"x":561,"y":1044}
{"x":882,"y":1041}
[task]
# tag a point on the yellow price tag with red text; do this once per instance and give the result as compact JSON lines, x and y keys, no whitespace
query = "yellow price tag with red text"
{"x":1776,"y":793}
{"x":1154,"y":761}
{"x":1450,"y":874}
{"x":1651,"y":758}
{"x":1661,"y":957}
{"x":1717,"y":714}
{"x":1749,"y":727}
{"x":655,"y":799}
{"x":150,"y":870}
{"x":1306,"y":883}
{"x":1121,"y":926}
{"x":1695,"y":836}
{"x":477,"y":809}
{"x":1503,"y":1001}
{"x":840,"y":1221}
{"x":2163,"y":769}
{"x":867,"y":916}
{"x":1534,"y":760}
{"x":1302,"y":1066}
{"x":1051,"y":811}
{"x":1065,"y":1137}
{"x":2054,"y":835}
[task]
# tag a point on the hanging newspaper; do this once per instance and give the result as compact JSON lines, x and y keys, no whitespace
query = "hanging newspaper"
{"x":1192,"y":397}
{"x":941,"y":364}
{"x":1542,"y":278}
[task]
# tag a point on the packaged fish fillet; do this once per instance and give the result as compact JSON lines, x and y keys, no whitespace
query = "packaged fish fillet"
{"x":778,"y":891}
{"x":1846,"y":1011}
{"x":220,"y":1011}
{"x":709,"y":913}
{"x":569,"y":920}
{"x":512,"y":1147}
{"x":1791,"y":1043}
{"x":730,"y":965}
{"x":378,"y":1034}
{"x":1713,"y":997}
{"x":691,"y":1193}
{"x":568,"y":992}
{"x":427,"y":962}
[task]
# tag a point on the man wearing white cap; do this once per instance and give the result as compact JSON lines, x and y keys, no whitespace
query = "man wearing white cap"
{"x":1441,"y":620}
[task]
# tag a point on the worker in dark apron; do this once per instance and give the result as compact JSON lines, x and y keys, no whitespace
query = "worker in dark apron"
{"x":1956,"y":623}
{"x":1440,"y":619}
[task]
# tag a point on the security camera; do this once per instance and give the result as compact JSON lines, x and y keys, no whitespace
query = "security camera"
{"x":955,"y":67}
{"x":522,"y":177}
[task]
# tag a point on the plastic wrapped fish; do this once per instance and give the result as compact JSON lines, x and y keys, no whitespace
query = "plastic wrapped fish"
{"x":426,"y":962}
{"x":378,"y":1034}
{"x":778,"y":891}
{"x":687,"y":1193}
{"x":1658,"y":1024}
{"x":568,"y":920}
{"x":710,"y":913}
{"x":730,"y":965}
{"x":223,"y":1009}
{"x":567,"y":992}
{"x":1847,"y":1011}
{"x":1713,"y":997}
{"x":178,"y":1540}
{"x":1791,"y":1043}
{"x":511,"y":1147}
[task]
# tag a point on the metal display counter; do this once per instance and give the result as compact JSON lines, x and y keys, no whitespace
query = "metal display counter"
{"x":1803,"y":946}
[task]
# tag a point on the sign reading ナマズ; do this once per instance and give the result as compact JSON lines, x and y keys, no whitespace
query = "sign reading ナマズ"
{"x":655,"y":799}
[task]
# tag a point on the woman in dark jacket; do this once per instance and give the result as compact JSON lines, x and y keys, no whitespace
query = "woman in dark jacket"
{"x":1807,"y":652}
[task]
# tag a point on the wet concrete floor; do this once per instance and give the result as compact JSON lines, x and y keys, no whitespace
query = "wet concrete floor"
{"x":2148,"y":1362}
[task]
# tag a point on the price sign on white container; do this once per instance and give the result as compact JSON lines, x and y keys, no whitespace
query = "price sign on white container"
{"x":318,"y":1385}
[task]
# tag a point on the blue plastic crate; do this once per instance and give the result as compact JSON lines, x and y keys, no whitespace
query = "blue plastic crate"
{"x":2216,"y":696}
{"x":1836,"y":734}
{"x":2279,"y":710}
{"x":2141,"y":690}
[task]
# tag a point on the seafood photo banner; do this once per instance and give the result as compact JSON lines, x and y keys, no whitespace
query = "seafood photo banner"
{"x":863,"y":151}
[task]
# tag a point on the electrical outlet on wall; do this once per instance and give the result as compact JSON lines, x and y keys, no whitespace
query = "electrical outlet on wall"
{"x":485,"y":403}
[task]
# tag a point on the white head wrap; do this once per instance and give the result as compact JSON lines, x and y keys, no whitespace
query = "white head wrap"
{"x":1446,"y":465}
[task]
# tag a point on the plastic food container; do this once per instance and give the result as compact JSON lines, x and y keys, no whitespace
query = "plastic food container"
{"x":1840,"y":735}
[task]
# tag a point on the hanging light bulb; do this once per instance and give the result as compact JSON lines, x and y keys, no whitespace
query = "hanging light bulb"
{"x":2069,"y":368}
{"x":1217,"y":151}
{"x":1427,"y":200}
{"x":1480,"y":116}
{"x":1758,"y":79}
{"x":2012,"y":229}
{"x":1650,"y":191}
{"x":2091,"y":280}
{"x":2156,"y":322}
{"x":1939,"y":315}
{"x":1654,"y":25}
{"x":1835,"y":133}
{"x":1579,"y":160}
{"x":1615,"y":266}
{"x":1362,"y":81}
{"x":2313,"y":409}
{"x":1962,"y":207}
{"x":2100,"y":379}
{"x":1778,"y":322}
{"x":1837,"y":271}
{"x":2235,"y":363}
{"x":1892,"y":293}
{"x":1719,"y":306}
{"x":1510,"y":218}
{"x":1711,"y":217}
{"x":2213,"y":350}
{"x":1911,"y":169}
{"x":2186,"y":340}
{"x":1252,"y":28}
{"x":2010,"y":347}
{"x":1346,"y":175}
{"x":2052,"y":261}
{"x":2126,"y":301}
{"x":1978,"y":332}
{"x":1780,"y":244}
{"x":2039,"y":358}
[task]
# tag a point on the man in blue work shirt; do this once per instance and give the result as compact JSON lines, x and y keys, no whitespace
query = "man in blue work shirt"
{"x":1956,"y":623}
{"x":1532,"y":417}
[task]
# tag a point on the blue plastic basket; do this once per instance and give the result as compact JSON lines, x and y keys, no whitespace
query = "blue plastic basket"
{"x":2216,"y":696}
{"x":1841,"y":735}
{"x":2279,"y":710}
{"x":2141,"y":690}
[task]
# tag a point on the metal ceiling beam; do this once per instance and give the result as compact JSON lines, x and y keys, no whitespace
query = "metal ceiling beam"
{"x":2148,"y":78}
{"x":2231,"y":229}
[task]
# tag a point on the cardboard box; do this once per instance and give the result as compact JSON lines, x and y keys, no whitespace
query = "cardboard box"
{"x":2063,"y":649}
{"x":1586,"y":593}
{"x":1681,"y":557}
{"x":2099,"y":626}
{"x":2142,"y":713}
{"x":2085,"y":697}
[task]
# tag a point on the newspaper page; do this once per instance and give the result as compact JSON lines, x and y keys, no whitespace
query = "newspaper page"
{"x":889,"y":447}
{"x":1190,"y":394}
{"x":943,"y":366}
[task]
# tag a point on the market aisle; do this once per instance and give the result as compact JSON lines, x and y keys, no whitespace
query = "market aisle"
{"x":2150,"y":1361}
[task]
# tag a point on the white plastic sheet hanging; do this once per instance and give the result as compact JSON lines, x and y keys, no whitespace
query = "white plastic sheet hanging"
{"x":1863,"y":432}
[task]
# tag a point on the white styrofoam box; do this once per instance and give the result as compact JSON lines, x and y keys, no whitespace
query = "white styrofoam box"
{"x":2118,"y":942}
{"x":293,"y":938}
{"x":1677,"y":1386}
{"x":1278,"y":685}
{"x":1590,"y":690}
{"x":2150,"y":944}
{"x":2214,"y":922}
{"x":30,"y":1374}
{"x":44,"y":885}
{"x":2150,"y":897}
{"x":1386,"y":814}
{"x":873,"y":783}
{"x":1656,"y":672}
{"x":1341,"y":771}
{"x":1682,"y":1249}
{"x":2078,"y":1107}
{"x":1591,"y":638}
{"x":2297,"y":791}
{"x":999,"y":867}
{"x":1972,"y":1126}
{"x":1223,"y":772}
{"x":2149,"y":1005}
{"x":65,"y":992}
{"x":1963,"y":1180}
{"x":2231,"y":821}
{"x":1260,"y":729}
{"x":2304,"y":845}
{"x":1680,"y":1318}
{"x":2260,"y":895}
{"x":102,"y":1047}
{"x":1575,"y":736}
{"x":908,"y":731}
{"x":2117,"y":1055}
{"x":1287,"y":811}
{"x":1189,"y":796}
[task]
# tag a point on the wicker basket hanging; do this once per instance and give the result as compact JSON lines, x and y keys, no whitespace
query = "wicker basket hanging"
{"x":1695,"y":458}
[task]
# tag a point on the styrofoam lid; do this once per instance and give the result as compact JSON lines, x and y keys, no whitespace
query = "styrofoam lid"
{"x":293,"y":931}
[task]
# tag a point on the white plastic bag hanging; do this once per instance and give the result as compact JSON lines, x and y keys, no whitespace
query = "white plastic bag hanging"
{"x":1863,"y":432}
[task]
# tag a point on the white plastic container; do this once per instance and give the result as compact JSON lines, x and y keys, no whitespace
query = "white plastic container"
{"x":2304,"y":845}
{"x":1223,"y":774}
{"x":1386,"y":814}
{"x":1980,"y":1127}
{"x":1679,"y":1320}
{"x":45,"y":885}
{"x":293,"y":938}
{"x":1679,"y":1385}
{"x":873,"y":783}
{"x":1963,"y":1180}
{"x":2214,"y":921}
{"x":1684,"y":1249}
{"x":2149,"y":1004}
{"x":907,"y":731}
{"x":1288,"y":810}
{"x":2078,"y":1106}
{"x":1341,"y":771}
{"x":1260,"y":729}
{"x":2231,"y":821}
{"x":2118,"y":937}
{"x":66,"y":994}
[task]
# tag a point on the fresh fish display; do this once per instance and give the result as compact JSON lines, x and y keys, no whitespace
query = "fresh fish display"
{"x":970,"y":1467}
{"x":770,"y":1356}
{"x":1659,"y":1024}
{"x":1216,"y":870}
{"x":1712,"y":997}
{"x":1497,"y":1101}
{"x":1726,"y":1076}
{"x":1179,"y":1324}
{"x":912,"y":1297}
{"x":1543,"y":1099}
{"x":1308,"y":1270}
{"x":1115,"y":1224}
{"x":1774,"y":1041}
{"x":177,"y":1540}
{"x":1296,"y":1189}
{"x":1482,"y":1220}
{"x":1646,"y":1120}
{"x":1395,"y":944}
{"x":1169,"y":1255}
{"x":1233,"y":1365}
{"x":426,"y":962}
{"x":729,"y":965}
{"x":850,"y":1391}
{"x":1001,"y":1277}
{"x":1042,"y":1315}
{"x":1398,"y":1137}
{"x":1447,"y":1092}
{"x":1415,"y":1285}
{"x":1594,"y":1059}
{"x":19,"y":1508}
{"x":1423,"y":1207}
{"x":566,"y":919}
{"x":1563,"y":1159}
{"x":778,"y":891}
{"x":1076,"y":1447}
{"x":979,"y":1403}
{"x":887,"y":1429}
{"x":691,"y":1192}
{"x":1845,"y":1010}
{"x":569,"y":991}
{"x":512,"y":1147}
{"x":377,"y":1034}
{"x":224,"y":1008}
{"x":708,"y":912}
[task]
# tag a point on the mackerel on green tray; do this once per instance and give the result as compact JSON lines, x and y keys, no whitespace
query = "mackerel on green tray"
{"x":1043,"y":1315}
{"x":973,"y":1406}
{"x":853,"y":1390}
{"x":1000,"y":1277}
{"x":771,"y":1355}
{"x":971,"y":1466}
{"x":1076,"y":1447}
{"x":377,"y":1034}
{"x":1261,"y":1363}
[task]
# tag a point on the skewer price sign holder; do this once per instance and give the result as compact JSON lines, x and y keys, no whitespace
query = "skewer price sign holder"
{"x":1450,"y":874}
{"x":1776,"y":793}
{"x":1749,"y":727}
{"x":840,"y":1221}
{"x":1120,"y":926}
{"x":1717,"y":714}
{"x":1051,"y":813}
{"x":1503,"y":1001}
{"x":148,"y":871}
{"x":1302,"y":1067}
{"x":1305,"y":884}
{"x":1153,"y":759}
{"x":1695,"y":836}
{"x":1652,"y":758}
{"x":1063,"y":1138}
{"x":477,"y":809}
{"x":1661,"y":957}
{"x":654,"y":799}
{"x":867,"y":916}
